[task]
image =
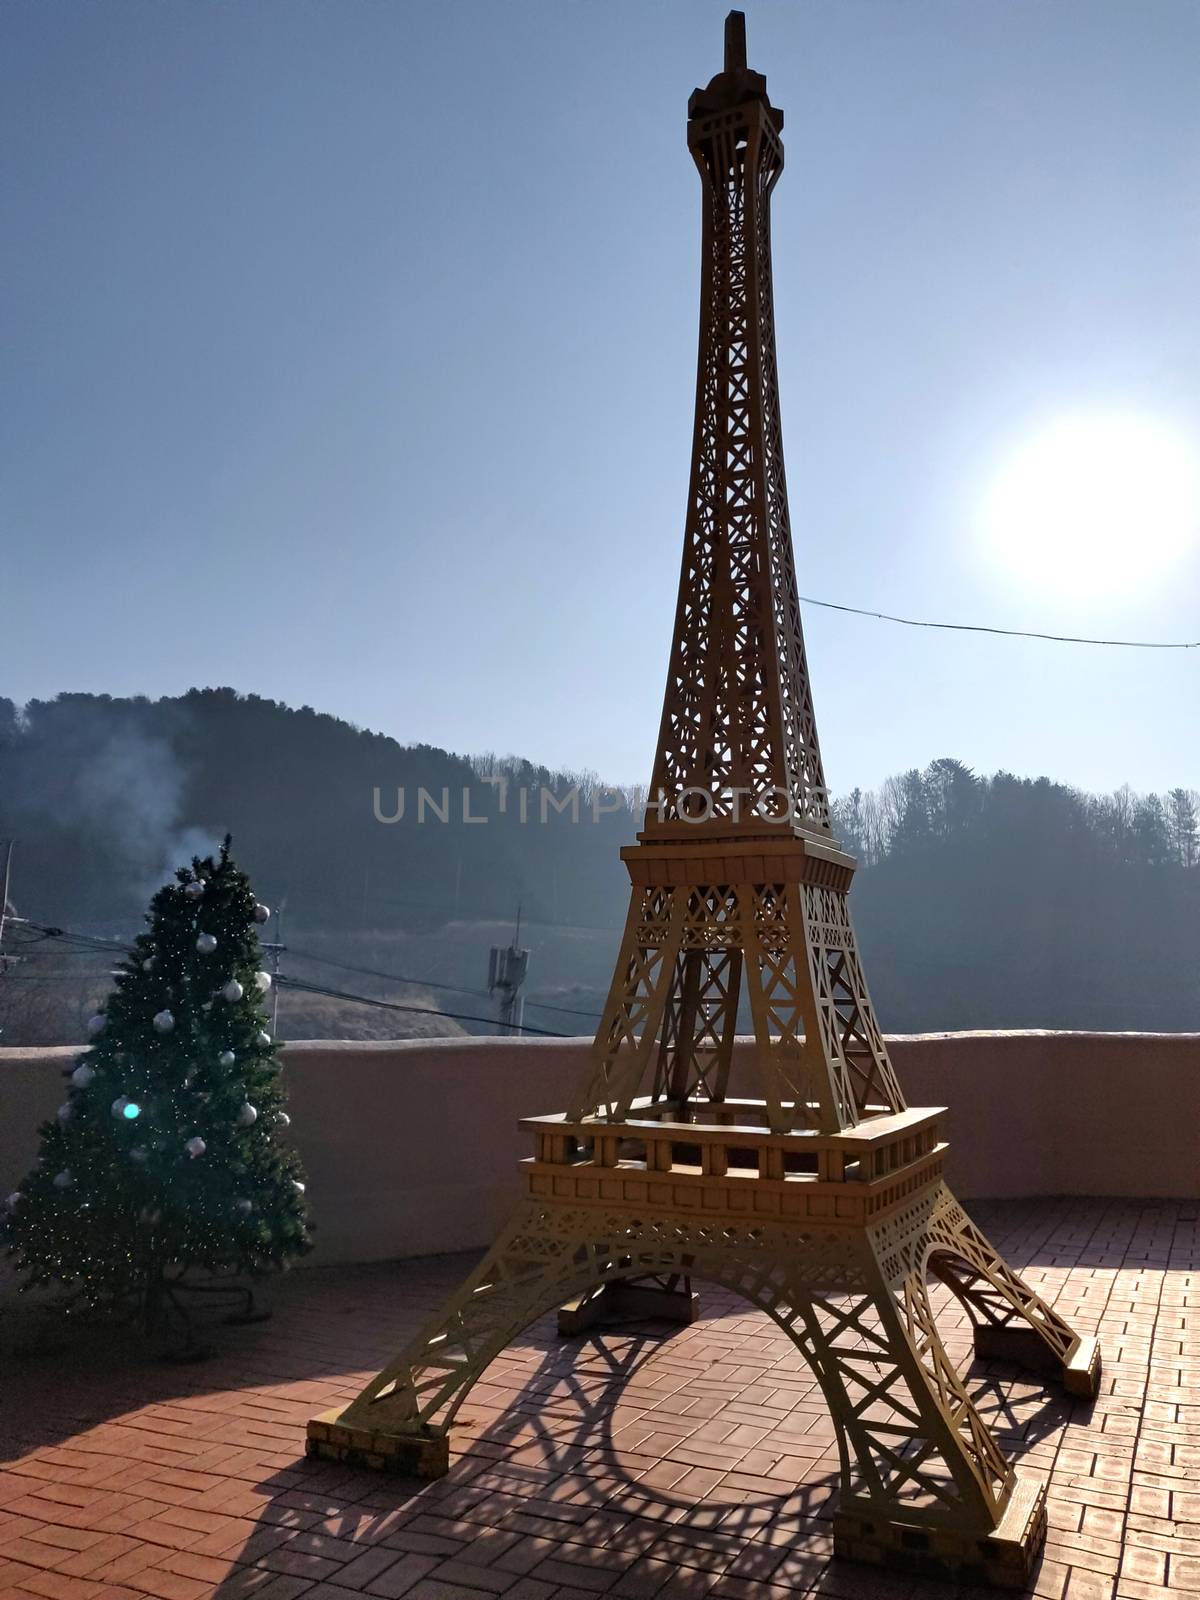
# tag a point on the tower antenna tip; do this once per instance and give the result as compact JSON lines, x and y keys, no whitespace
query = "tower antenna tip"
{"x":735,"y":42}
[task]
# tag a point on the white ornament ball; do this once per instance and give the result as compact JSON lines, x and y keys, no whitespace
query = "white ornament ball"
{"x":148,"y":964}
{"x":140,"y":1154}
{"x":206,"y":943}
{"x":164,"y":1022}
{"x":232,"y":991}
{"x":297,"y":1185}
{"x":262,"y":913}
{"x":82,"y":1076}
{"x":247,"y":1116}
{"x":244,"y":1206}
{"x":282,"y":1120}
{"x":14,"y":1200}
{"x":96,"y":1024}
{"x":64,"y":1111}
{"x":194,"y":889}
{"x":118,"y":1106}
{"x":263,"y":980}
{"x":262,"y":1039}
{"x":226,"y":1058}
{"x":195,"y":1147}
{"x":63,"y":1179}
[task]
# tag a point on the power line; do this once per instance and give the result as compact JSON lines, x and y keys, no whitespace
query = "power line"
{"x":1009,"y":633}
{"x":393,"y":1005}
{"x":428,"y":983}
{"x":390,"y":977}
{"x":89,"y":941}
{"x":567,"y":1011}
{"x":92,"y":944}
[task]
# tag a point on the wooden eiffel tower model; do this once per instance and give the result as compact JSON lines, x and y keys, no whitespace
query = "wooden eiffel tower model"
{"x":822,"y":1202}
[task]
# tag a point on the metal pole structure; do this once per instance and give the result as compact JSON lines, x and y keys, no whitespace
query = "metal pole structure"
{"x":8,"y":855}
{"x":275,"y":955}
{"x":507,"y":967}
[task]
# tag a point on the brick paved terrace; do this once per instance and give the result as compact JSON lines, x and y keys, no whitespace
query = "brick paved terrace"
{"x":635,"y":1462}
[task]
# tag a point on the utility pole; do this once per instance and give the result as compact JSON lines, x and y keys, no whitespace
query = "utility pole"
{"x":276,"y":949}
{"x":8,"y":855}
{"x":507,"y":967}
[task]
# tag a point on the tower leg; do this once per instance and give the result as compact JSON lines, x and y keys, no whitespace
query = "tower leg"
{"x":924,"y":1486}
{"x":1011,"y":1322}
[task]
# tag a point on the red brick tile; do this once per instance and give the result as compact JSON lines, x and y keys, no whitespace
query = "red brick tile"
{"x":400,"y":1578}
{"x":714,"y":1451}
{"x":491,"y":1580}
{"x":171,"y":1585}
{"x":57,"y":1586}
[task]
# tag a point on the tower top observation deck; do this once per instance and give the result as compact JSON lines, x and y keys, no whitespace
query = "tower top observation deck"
{"x":735,"y":83}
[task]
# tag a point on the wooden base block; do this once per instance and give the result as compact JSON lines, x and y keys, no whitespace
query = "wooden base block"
{"x":1003,"y":1559}
{"x":420,"y":1454}
{"x":1023,"y":1345}
{"x":1082,"y":1369}
{"x":620,"y":1302}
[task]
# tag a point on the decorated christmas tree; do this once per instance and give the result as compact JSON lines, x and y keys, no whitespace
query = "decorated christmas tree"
{"x":168,"y":1163}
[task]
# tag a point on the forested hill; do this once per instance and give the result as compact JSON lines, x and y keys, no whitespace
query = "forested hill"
{"x":981,"y":902}
{"x":105,"y":796}
{"x":1011,"y":902}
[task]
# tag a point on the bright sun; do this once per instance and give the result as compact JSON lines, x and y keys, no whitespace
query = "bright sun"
{"x":1094,"y":504}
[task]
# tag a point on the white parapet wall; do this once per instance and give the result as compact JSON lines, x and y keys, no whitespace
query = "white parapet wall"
{"x":412,"y":1146}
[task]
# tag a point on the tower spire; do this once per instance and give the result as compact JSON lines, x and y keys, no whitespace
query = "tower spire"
{"x":737,"y":749}
{"x":735,"y":42}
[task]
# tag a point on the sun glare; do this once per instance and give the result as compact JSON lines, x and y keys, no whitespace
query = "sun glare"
{"x":1094,"y":504}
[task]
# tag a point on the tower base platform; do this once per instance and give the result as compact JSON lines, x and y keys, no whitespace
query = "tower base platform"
{"x":835,"y":1236}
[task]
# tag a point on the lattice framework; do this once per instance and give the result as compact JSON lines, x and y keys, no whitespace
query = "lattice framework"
{"x":822,"y":1201}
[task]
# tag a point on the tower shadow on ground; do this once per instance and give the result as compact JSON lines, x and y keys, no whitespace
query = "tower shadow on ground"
{"x":554,"y":1479}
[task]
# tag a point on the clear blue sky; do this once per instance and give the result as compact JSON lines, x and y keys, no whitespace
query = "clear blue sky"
{"x":350,"y":350}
